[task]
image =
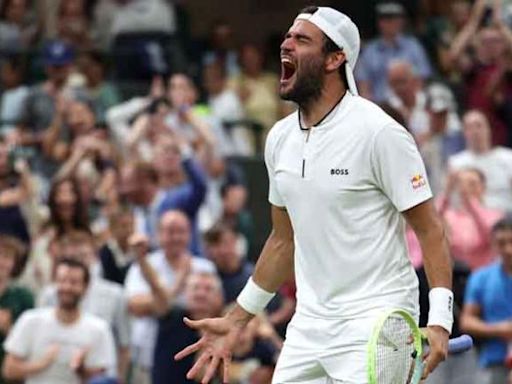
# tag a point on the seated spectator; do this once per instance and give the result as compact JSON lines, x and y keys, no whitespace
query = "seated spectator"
{"x":444,"y":136}
{"x":14,"y":300}
{"x":226,"y":107}
{"x":221,"y":48}
{"x":102,"y":93}
{"x":494,"y":162}
{"x":40,"y":105}
{"x":13,"y":95}
{"x":407,"y":95}
{"x":67,"y":213}
{"x":18,"y":27}
{"x":146,"y":302}
{"x":236,"y":214}
{"x":139,"y":185}
{"x":221,"y":243}
{"x":102,"y":298}
{"x":487,"y":313}
{"x":74,"y":346}
{"x":15,"y":191}
{"x":73,"y":24}
{"x":468,"y":220}
{"x":116,"y":256}
{"x":203,"y":299}
{"x":391,"y":44}
{"x":257,"y":88}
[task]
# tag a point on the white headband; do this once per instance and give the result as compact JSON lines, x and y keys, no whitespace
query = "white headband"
{"x":332,"y":33}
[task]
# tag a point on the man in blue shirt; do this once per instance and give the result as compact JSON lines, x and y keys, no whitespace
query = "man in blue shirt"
{"x":390,"y":45}
{"x":487,"y":312}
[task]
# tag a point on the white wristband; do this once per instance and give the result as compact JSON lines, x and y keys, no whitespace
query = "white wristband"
{"x":253,"y":298}
{"x":441,"y":308}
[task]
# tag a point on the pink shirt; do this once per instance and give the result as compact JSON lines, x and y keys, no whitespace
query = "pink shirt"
{"x":469,"y":232}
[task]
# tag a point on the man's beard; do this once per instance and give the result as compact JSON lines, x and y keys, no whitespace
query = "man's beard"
{"x":69,"y":304}
{"x":309,"y":83}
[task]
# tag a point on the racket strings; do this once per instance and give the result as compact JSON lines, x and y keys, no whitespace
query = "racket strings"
{"x":395,"y":352}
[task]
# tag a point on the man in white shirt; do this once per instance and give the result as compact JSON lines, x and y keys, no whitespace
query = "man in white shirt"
{"x":343,"y":175}
{"x":173,"y":263}
{"x":102,"y":297}
{"x":62,"y":344}
{"x":494,"y":162}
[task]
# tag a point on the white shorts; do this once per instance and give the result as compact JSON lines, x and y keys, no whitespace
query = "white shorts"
{"x":324,"y":351}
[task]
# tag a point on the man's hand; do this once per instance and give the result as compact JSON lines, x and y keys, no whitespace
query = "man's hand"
{"x":49,"y":357}
{"x":438,"y":348}
{"x":5,"y":320}
{"x":77,"y":362}
{"x":139,"y":244}
{"x":218,"y":339}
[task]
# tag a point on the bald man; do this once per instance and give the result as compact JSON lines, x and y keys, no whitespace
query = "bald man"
{"x":146,"y":301}
{"x":407,"y":96}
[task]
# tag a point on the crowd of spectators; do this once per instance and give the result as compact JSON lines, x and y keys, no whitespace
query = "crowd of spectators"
{"x":123,"y":199}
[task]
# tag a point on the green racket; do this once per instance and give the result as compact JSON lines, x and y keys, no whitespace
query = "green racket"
{"x":395,"y":349}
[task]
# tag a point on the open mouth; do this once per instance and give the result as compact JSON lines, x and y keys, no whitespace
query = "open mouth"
{"x":288,"y":69}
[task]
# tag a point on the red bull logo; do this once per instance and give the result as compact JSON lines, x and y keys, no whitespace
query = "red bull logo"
{"x":418,"y":181}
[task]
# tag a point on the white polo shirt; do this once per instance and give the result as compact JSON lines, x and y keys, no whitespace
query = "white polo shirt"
{"x":344,"y":186}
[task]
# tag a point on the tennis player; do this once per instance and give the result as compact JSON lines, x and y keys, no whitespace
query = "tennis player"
{"x":344,"y":177}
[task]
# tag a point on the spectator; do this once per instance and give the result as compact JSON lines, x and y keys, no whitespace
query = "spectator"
{"x":189,"y":118}
{"x":102,"y":298}
{"x":40,"y":105}
{"x":444,"y":136}
{"x":13,"y":300}
{"x":18,"y":28}
{"x":13,"y":95}
{"x":492,"y":44}
{"x":236,"y":215}
{"x":101,"y":92}
{"x":406,"y":94}
{"x":223,"y":250}
{"x":391,"y":44}
{"x":487,"y":310}
{"x":468,"y":220}
{"x":146,"y":302}
{"x":226,"y":107}
{"x":115,"y":256}
{"x":139,"y":184}
{"x":15,"y":191}
{"x":221,"y":48}
{"x":257,"y":88}
{"x":73,"y":24}
{"x":203,"y":298}
{"x":74,"y":346}
{"x":494,"y":162}
{"x":67,"y":213}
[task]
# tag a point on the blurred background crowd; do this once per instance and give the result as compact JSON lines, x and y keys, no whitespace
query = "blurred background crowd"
{"x":132,"y":185}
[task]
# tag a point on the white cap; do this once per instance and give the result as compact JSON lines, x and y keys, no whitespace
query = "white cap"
{"x":343,"y":32}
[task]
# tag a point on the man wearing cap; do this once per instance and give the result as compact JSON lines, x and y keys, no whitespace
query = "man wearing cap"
{"x":39,"y":109}
{"x":343,"y":175}
{"x":391,"y":44}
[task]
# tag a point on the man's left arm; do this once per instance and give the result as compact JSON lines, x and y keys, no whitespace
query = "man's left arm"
{"x":429,"y":229}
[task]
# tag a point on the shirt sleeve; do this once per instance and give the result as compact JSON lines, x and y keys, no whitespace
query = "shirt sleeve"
{"x":398,"y":168}
{"x":422,"y":62}
{"x":19,"y":340}
{"x":474,"y":287}
{"x":273,"y":194}
{"x":122,"y":322}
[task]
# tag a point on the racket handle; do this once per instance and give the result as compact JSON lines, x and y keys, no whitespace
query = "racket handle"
{"x":460,"y":344}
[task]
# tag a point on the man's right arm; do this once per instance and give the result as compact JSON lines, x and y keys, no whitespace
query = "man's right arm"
{"x":275,"y":264}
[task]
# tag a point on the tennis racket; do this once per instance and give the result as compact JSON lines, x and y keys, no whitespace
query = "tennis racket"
{"x":395,"y":349}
